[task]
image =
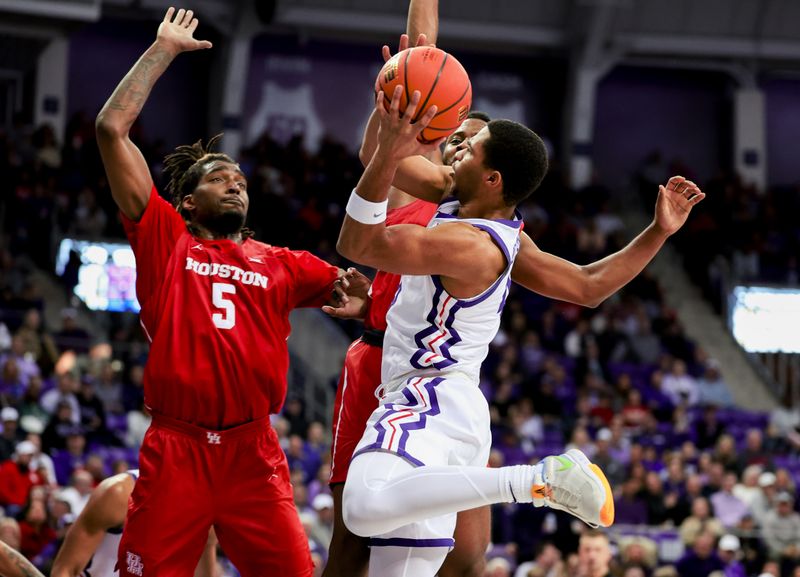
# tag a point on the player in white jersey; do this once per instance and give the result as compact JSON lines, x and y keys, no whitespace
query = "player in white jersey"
{"x":91,"y":544}
{"x":422,"y":457}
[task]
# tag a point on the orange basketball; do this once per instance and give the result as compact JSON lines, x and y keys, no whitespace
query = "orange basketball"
{"x":440,"y":79}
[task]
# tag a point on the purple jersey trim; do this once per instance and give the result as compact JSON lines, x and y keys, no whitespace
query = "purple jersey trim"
{"x":406,"y":428}
{"x":433,"y":328}
{"x":402,"y":542}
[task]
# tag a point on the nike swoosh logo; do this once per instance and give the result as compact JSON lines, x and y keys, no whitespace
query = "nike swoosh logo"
{"x":511,"y":489}
{"x":377,"y":214}
{"x":565,"y":464}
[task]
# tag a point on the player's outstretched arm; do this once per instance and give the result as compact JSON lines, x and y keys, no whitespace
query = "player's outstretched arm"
{"x":591,"y":284}
{"x":106,"y":509}
{"x":125,"y":166}
{"x":13,"y":564}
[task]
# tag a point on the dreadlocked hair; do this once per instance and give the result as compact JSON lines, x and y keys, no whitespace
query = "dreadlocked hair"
{"x":184,"y":168}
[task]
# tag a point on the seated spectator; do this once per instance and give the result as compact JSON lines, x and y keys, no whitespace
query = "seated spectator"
{"x":613,"y":468}
{"x":680,"y":386}
{"x":26,"y":366}
{"x":71,"y":336}
{"x":581,"y":440}
{"x":630,"y":508}
{"x":594,"y":555}
{"x":11,"y":434}
{"x":748,"y":490}
{"x":548,"y":562}
{"x":37,"y":342}
{"x":79,"y":490}
{"x":12,"y":387}
{"x":726,"y":454}
{"x":753,"y":551}
{"x":109,"y":389}
{"x":653,"y":496}
{"x":764,"y":501}
{"x":41,"y":462}
{"x":35,"y":529}
{"x":72,"y":457}
{"x":635,"y":413}
{"x":138,"y":423}
{"x":65,"y":392}
{"x":728,"y":550}
{"x":781,"y":530}
{"x":785,"y":420}
{"x":497,"y":567}
{"x":30,"y":405}
{"x":55,"y":433}
{"x":700,"y":522}
{"x":784,"y":482}
{"x":638,"y":551}
{"x":701,"y":559}
{"x":728,"y":508}
{"x":17,"y":478}
{"x":711,"y":387}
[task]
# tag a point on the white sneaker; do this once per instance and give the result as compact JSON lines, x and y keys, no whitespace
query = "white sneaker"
{"x":571,"y":483}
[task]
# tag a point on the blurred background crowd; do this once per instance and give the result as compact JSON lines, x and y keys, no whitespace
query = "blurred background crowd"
{"x":701,"y":485}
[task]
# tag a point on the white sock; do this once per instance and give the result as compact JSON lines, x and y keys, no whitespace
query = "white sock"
{"x":384,"y":492}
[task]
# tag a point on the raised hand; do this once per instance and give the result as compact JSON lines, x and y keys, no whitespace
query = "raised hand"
{"x":397,"y":134}
{"x":675,"y":202}
{"x":422,"y":40}
{"x":178,"y":33}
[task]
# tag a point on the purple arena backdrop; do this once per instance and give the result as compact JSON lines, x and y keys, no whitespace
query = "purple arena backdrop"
{"x":325,"y":88}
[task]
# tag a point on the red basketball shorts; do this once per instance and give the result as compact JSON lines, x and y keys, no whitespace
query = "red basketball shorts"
{"x":192,"y":478}
{"x":356,"y":398}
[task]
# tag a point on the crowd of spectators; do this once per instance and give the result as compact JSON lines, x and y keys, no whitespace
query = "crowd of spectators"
{"x":701,"y":485}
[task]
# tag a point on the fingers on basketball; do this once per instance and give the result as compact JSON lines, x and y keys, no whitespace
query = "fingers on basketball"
{"x":441,"y":81}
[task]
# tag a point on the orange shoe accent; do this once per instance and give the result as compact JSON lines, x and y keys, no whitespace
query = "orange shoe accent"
{"x":539,"y":491}
{"x":607,"y":512}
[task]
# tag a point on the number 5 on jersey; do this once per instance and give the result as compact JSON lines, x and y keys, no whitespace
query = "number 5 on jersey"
{"x":227,"y":318}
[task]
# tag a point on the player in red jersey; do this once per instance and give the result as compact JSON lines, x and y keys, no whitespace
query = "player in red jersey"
{"x":215,"y":306}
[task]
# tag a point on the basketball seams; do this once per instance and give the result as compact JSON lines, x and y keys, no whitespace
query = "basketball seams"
{"x":405,"y":76}
{"x":456,"y":103}
{"x":433,"y":87}
{"x":442,"y":75}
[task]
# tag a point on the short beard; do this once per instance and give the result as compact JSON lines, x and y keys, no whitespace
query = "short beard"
{"x":226,"y":223}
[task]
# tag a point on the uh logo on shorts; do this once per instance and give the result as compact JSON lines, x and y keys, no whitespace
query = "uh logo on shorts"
{"x":134,"y":562}
{"x":213,"y":438}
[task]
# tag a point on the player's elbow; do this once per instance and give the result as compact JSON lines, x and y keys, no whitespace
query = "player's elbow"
{"x":355,"y":249}
{"x":108,"y":128}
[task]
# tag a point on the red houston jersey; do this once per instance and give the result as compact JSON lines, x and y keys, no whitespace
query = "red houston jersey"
{"x":217,"y":316}
{"x":385,"y":284}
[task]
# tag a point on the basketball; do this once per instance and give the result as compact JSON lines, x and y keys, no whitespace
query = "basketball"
{"x":440,"y":79}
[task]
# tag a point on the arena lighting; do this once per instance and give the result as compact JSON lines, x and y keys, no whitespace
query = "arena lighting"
{"x":106,"y":273}
{"x":766,"y":319}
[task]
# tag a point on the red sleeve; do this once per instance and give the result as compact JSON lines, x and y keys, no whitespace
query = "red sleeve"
{"x":312,"y":279}
{"x":153,"y":239}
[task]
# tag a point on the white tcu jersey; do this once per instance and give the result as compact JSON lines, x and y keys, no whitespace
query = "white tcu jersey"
{"x":432,"y":333}
{"x":104,"y":561}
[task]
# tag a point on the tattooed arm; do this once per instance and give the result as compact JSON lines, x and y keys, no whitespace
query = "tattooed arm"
{"x":13,"y":564}
{"x":128,"y":174}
